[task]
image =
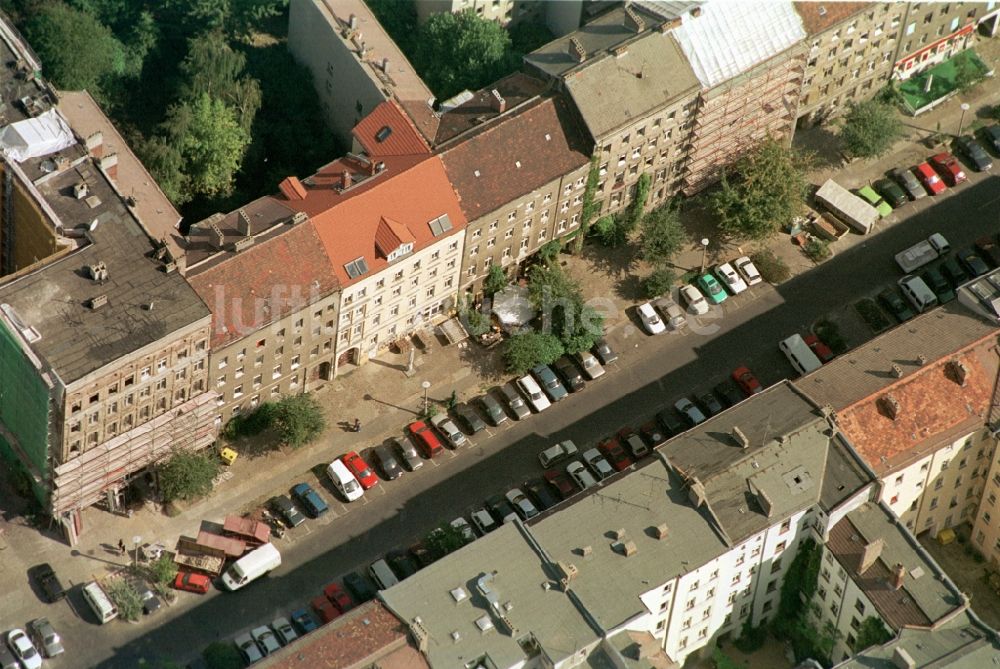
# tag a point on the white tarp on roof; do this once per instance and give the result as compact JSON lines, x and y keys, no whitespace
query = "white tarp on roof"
{"x":729,"y":38}
{"x":513,"y":307}
{"x":33,"y":137}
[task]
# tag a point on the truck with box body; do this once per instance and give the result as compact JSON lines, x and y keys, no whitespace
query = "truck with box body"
{"x":847,"y":207}
{"x":922,"y":253}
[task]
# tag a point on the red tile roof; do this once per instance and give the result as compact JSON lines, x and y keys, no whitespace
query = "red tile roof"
{"x":411,"y":191}
{"x":515,"y":155}
{"x":390,"y":235}
{"x":263,"y":283}
{"x":388,"y":131}
{"x":819,"y":16}
{"x":932,"y":407}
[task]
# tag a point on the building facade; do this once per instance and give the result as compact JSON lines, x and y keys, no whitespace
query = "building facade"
{"x":504,"y":12}
{"x":934,"y":32}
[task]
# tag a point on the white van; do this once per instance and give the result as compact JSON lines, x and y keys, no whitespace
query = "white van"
{"x":917,"y":292}
{"x":382,"y":575}
{"x":344,"y":481}
{"x":99,"y":602}
{"x":799,"y":354}
{"x":531,"y":390}
{"x":253,"y":565}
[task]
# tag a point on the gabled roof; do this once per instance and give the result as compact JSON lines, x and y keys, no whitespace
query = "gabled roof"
{"x":819,"y":16}
{"x":514,"y":155}
{"x":412,"y":191}
{"x":480,"y":107}
{"x":388,"y":131}
{"x":390,"y":235}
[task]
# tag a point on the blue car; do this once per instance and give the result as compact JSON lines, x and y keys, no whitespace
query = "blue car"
{"x":304,"y":621}
{"x":310,"y":500}
{"x":549,"y":382}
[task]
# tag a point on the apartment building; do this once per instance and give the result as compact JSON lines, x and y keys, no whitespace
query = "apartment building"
{"x":637,"y":95}
{"x":934,"y":32}
{"x":504,"y":12}
{"x":392,"y":229}
{"x":274,"y":299}
{"x":520,"y":177}
{"x":915,"y":403}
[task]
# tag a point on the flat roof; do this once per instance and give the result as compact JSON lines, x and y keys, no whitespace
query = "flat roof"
{"x":481,"y":106}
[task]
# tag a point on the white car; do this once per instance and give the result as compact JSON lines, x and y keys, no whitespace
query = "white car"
{"x":447,"y":427}
{"x":730,"y":279}
{"x":521,"y":504}
{"x":686,"y":408}
{"x":553,"y":454}
{"x":579,"y":473}
{"x":265,"y":638}
{"x":695,"y":301}
{"x":672,"y":314}
{"x":591,"y":367}
{"x":748,"y":270}
{"x":248,"y":648}
{"x":483,"y":521}
{"x":462,"y":526}
{"x":601,"y":467}
{"x":286,"y":633}
{"x":531,"y":390}
{"x":650,"y":321}
{"x":24,"y":649}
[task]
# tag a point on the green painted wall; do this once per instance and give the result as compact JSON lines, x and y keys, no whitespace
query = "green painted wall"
{"x":24,"y":403}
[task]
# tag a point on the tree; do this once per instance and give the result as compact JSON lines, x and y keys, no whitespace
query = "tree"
{"x":525,"y":350}
{"x":77,"y":51}
{"x":163,"y":158}
{"x":162,"y":572}
{"x":764,"y":192}
{"x":871,"y":633}
{"x":564,"y":313}
{"x":125,"y":597}
{"x":298,"y":419}
{"x":609,"y":231}
{"x":222,"y":655}
{"x":526,"y":36}
{"x":967,"y":73}
{"x":212,"y":68}
{"x":443,"y":540}
{"x":187,"y":474}
{"x":659,"y":282}
{"x":590,"y":206}
{"x":399,"y":20}
{"x":549,"y":251}
{"x":661,"y":235}
{"x":870,"y":128}
{"x":495,"y":280}
{"x":455,"y":52}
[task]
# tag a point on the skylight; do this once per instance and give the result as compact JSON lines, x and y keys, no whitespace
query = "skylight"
{"x":356,"y":268}
{"x":440,"y":225}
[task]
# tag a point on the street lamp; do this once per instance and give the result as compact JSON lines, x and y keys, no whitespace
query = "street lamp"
{"x":961,"y":122}
{"x":704,"y":254}
{"x":135,"y":541}
{"x":425,"y":385}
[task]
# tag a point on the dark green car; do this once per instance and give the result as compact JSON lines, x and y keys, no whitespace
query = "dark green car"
{"x":891,"y":191}
{"x":895,"y":304}
{"x":935,"y":280}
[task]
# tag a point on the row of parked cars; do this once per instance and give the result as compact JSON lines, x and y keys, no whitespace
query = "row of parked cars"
{"x":27,"y":648}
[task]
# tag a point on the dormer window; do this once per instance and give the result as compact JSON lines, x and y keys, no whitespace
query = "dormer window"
{"x":400,"y":251}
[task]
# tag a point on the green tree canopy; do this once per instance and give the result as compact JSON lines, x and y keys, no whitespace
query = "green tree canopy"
{"x":298,"y":419}
{"x":187,"y":474}
{"x":222,"y":655}
{"x":764,"y":192}
{"x":454,"y":52}
{"x":495,"y":280}
{"x":524,"y":351}
{"x":870,"y":128}
{"x":212,"y":68}
{"x":871,"y":633}
{"x":443,"y":540}
{"x":658,"y":283}
{"x":661,"y":235}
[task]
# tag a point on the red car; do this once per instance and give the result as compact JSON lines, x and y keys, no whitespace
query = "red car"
{"x":821,"y":350}
{"x":192,"y":582}
{"x":339,"y":597}
{"x":949,"y":167}
{"x":561,"y":481}
{"x":324,"y":609}
{"x":747,"y":382}
{"x":362,"y":472}
{"x":425,"y":438}
{"x":615,"y":454}
{"x":929,"y":178}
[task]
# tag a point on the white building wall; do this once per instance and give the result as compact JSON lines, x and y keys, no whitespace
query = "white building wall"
{"x":839,"y":601}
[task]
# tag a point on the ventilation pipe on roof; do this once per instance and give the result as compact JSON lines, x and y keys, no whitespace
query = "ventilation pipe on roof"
{"x":345,"y":180}
{"x":898,"y":574}
{"x":576,"y":50}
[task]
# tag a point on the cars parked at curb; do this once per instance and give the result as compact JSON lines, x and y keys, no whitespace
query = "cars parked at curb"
{"x":483,"y":521}
{"x":971,"y":262}
{"x":461,"y":525}
{"x":469,"y":418}
{"x":975,"y":152}
{"x":387,"y":462}
{"x":360,"y":469}
{"x":446,"y":426}
{"x":550,"y":382}
{"x":949,"y":168}
{"x":583,"y":478}
{"x":192,"y":582}
{"x":501,"y":509}
{"x":45,"y":637}
{"x":540,"y":490}
{"x":893,"y":302}
{"x":935,"y":280}
{"x":283,"y":629}
{"x":286,"y":510}
{"x":710,"y":404}
{"x":891,"y":192}
{"x":728,"y":393}
{"x":869,"y":195}
{"x":672,"y":314}
{"x":513,"y":400}
{"x":711,"y":288}
{"x":360,"y":587}
{"x":248,"y":648}
{"x":265,"y":638}
{"x":309,"y":500}
{"x":601,"y":468}
{"x":908,"y":180}
{"x":533,"y":392}
{"x":989,"y":250}
{"x":523,"y":506}
{"x":570,"y":375}
{"x":992,"y":135}
{"x":425,"y":438}
{"x":747,"y":270}
{"x":819,"y":348}
{"x":561,"y":482}
{"x":651,"y":322}
{"x":46,"y":579}
{"x":491,"y":408}
{"x":588,"y":362}
{"x":953,"y":271}
{"x":747,"y":381}
{"x":689,"y":411}
{"x":730,"y":278}
{"x":553,"y":454}
{"x":407,"y":452}
{"x":604,"y":352}
{"x":917,"y":292}
{"x":929,"y":178}
{"x":303,"y":621}
{"x":615,"y":453}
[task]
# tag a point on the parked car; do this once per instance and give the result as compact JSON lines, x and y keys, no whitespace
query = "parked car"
{"x":468,"y":417}
{"x":729,"y":393}
{"x":633,"y":443}
{"x":522,"y":505}
{"x":561,"y":481}
{"x":541,"y":493}
{"x":401,"y":564}
{"x":672,"y":314}
{"x":988,"y":249}
{"x":671,"y":423}
{"x":868,"y":194}
{"x":747,"y":270}
{"x":513,"y":400}
{"x":580,"y":475}
{"x":747,"y":381}
{"x":653,"y":433}
{"x":362,"y":472}
{"x":570,"y":375}
{"x":446,"y":426}
{"x":422,"y":555}
{"x":975,"y":152}
{"x":929,"y":178}
{"x":461,"y":525}
{"x":908,"y":180}
{"x":303,"y":621}
{"x":971,"y":261}
{"x":285,"y":509}
{"x":895,"y":304}
{"x":425,"y":438}
{"x":615,"y":453}
{"x":265,"y":638}
{"x":248,"y":648}
{"x":695,"y":301}
{"x":604,"y":352}
{"x":45,"y":637}
{"x":592,"y":369}
{"x":24,"y":650}
{"x":935,"y":280}
{"x":532,"y":391}
{"x":949,"y":168}
{"x":710,"y":404}
{"x":491,"y":408}
{"x":891,"y":192}
{"x":917,"y":292}
{"x":309,"y":500}
{"x":387,"y":462}
{"x":601,"y":467}
{"x":192,"y":582}
{"x":501,"y":509}
{"x":711,"y":288}
{"x":992,"y":135}
{"x":338,"y":597}
{"x":324,"y":609}
{"x":284,"y":630}
{"x":7,"y":659}
{"x":407,"y":452}
{"x":483,"y":521}
{"x":150,"y":602}
{"x":730,"y":278}
{"x":549,"y":382}
{"x":359,"y":586}
{"x":953,"y":271}
{"x":46,"y":579}
{"x":562,"y":451}
{"x":688,"y":410}
{"x":822,"y":351}
{"x":651,"y":322}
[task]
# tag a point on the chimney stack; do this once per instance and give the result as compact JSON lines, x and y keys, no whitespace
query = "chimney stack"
{"x":243,"y":223}
{"x":958,"y":372}
{"x":740,"y":438}
{"x":921,"y":360}
{"x":497,"y":103}
{"x":897,"y":371}
{"x":345,"y":180}
{"x":353,"y":21}
{"x":696,"y":493}
{"x":576,"y":50}
{"x":633,"y":20}
{"x":81,"y":190}
{"x":661,"y":531}
{"x":871,"y":553}
{"x":890,"y":405}
{"x":898,"y":574}
{"x":218,"y":239}
{"x":95,"y":144}
{"x":385,"y":65}
{"x":109,"y":164}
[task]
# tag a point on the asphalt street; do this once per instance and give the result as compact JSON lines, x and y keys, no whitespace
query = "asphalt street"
{"x":651,"y":373}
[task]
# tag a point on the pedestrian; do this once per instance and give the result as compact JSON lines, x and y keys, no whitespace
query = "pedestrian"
{"x":357,"y":425}
{"x":121,"y":546}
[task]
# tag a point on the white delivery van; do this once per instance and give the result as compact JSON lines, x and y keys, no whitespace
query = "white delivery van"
{"x":344,"y":481}
{"x":918,"y":293}
{"x":99,"y":602}
{"x":799,"y":354}
{"x":382,"y":575}
{"x":253,"y":565}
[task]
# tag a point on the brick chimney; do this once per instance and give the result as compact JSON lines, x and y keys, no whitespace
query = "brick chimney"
{"x":898,"y":574}
{"x":870,"y":554}
{"x":497,"y":103}
{"x":243,"y":223}
{"x":576,"y":50}
{"x":633,"y":21}
{"x":957,"y":371}
{"x":109,"y":164}
{"x":95,"y":144}
{"x":345,"y":180}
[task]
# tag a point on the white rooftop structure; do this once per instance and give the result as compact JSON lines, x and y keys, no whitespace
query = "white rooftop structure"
{"x":34,"y":137}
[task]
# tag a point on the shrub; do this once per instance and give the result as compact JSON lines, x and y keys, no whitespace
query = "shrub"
{"x":751,"y":638}
{"x":475,"y":321}
{"x":549,"y":250}
{"x":817,"y":250}
{"x":657,"y":283}
{"x":772,"y":268}
{"x":830,"y":333}
{"x":222,"y":655}
{"x":125,"y":597}
{"x":872,"y":315}
{"x":298,"y":419}
{"x":250,"y":424}
{"x":188,"y":474}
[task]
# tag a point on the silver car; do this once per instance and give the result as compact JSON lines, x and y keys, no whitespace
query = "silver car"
{"x":521,"y":504}
{"x":264,"y":636}
{"x":408,"y":452}
{"x":514,"y":401}
{"x":283,"y":628}
{"x":248,"y":648}
{"x":591,"y":367}
{"x":446,"y":426}
{"x":45,"y":637}
{"x":908,"y":180}
{"x":579,"y":473}
{"x":598,"y":463}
